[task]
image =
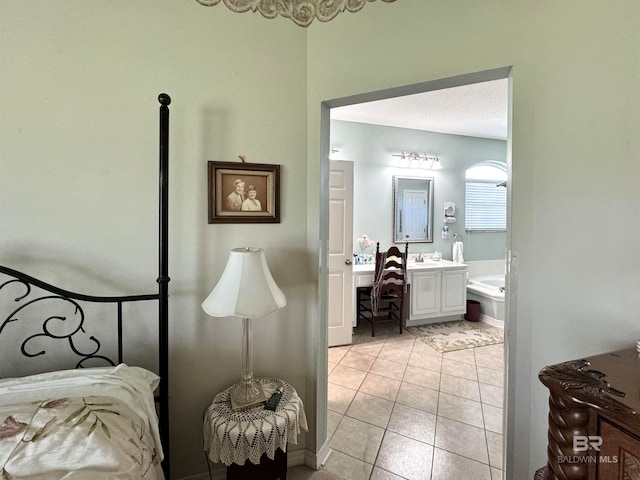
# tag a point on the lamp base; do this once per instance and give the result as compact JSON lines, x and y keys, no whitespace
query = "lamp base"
{"x":247,"y":395}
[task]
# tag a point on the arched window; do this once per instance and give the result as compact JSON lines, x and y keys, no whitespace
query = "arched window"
{"x":486,"y":197}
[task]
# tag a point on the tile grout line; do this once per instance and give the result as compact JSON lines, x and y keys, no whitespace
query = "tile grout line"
{"x":402,"y":381}
{"x":435,"y":429}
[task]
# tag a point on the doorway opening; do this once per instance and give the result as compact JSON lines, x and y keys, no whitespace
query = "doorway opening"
{"x":369,"y":395}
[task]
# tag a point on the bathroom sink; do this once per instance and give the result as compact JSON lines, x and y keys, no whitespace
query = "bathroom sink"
{"x":425,"y":263}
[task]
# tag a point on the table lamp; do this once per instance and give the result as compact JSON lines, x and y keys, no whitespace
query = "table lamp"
{"x":247,"y":290}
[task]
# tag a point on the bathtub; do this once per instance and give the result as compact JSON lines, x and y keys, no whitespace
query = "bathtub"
{"x":489,"y":291}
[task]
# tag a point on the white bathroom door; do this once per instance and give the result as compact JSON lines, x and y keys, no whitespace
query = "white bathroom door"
{"x":340,"y":309}
{"x":416,"y":216}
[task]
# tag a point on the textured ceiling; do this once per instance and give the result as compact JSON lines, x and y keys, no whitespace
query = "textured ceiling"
{"x":476,"y":110}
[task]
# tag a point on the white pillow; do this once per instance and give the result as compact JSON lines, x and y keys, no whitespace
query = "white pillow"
{"x":134,"y":374}
{"x":132,"y":385}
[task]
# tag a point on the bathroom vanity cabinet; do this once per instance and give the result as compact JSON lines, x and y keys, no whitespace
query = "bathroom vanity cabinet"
{"x":594,"y":429}
{"x":436,"y":290}
{"x":437,"y":293}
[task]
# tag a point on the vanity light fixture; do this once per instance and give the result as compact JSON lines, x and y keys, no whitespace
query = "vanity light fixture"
{"x":415,"y":160}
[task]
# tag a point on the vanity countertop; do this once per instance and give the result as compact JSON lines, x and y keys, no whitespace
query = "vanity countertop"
{"x":426,"y":265}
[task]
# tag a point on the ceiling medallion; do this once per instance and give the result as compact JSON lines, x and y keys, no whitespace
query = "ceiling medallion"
{"x":301,"y":12}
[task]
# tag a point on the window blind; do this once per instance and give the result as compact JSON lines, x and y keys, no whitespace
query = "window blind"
{"x":485,"y":206}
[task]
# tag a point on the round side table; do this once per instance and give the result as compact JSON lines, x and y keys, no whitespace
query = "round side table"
{"x":258,"y":435}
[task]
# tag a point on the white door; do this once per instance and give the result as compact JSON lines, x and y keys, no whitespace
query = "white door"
{"x":340,"y":252}
{"x":415,"y":207}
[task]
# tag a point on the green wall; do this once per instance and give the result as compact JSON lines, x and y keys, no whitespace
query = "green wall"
{"x":78,"y":154}
{"x":574,"y":75}
{"x":79,"y":83}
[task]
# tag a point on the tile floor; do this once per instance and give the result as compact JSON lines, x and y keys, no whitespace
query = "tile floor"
{"x":398,"y":409}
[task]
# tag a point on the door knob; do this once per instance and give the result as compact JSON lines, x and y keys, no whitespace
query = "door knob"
{"x":348,"y":261}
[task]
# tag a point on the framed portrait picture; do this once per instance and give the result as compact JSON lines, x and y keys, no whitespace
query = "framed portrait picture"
{"x":244,"y":192}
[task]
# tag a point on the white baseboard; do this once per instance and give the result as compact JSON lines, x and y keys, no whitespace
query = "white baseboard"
{"x":317,"y":460}
{"x":296,"y":457}
{"x":494,"y":322}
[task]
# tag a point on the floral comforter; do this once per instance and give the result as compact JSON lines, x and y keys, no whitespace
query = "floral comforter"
{"x":92,"y":438}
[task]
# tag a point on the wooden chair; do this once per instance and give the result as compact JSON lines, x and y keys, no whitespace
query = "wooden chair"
{"x":384,"y":301}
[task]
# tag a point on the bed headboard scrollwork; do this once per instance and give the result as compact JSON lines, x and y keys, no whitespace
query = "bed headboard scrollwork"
{"x":60,"y":317}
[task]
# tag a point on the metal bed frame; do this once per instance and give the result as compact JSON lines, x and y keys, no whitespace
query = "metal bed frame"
{"x":26,"y":282}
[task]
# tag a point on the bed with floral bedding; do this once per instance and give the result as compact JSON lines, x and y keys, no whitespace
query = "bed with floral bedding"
{"x":106,"y":422}
{"x":88,"y":424}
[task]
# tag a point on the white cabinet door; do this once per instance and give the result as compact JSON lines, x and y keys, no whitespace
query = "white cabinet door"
{"x":454,"y":291}
{"x":425,"y":294}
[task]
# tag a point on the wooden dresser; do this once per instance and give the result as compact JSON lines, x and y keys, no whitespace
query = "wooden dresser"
{"x":594,"y":424}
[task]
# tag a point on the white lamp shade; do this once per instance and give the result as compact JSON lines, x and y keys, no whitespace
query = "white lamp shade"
{"x":246,"y":287}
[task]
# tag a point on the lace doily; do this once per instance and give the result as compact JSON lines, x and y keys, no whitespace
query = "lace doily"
{"x":234,"y":437}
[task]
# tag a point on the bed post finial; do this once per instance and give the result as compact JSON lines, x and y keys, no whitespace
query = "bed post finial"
{"x":164,"y":99}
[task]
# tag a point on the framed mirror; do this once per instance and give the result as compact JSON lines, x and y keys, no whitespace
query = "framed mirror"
{"x":412,"y":209}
